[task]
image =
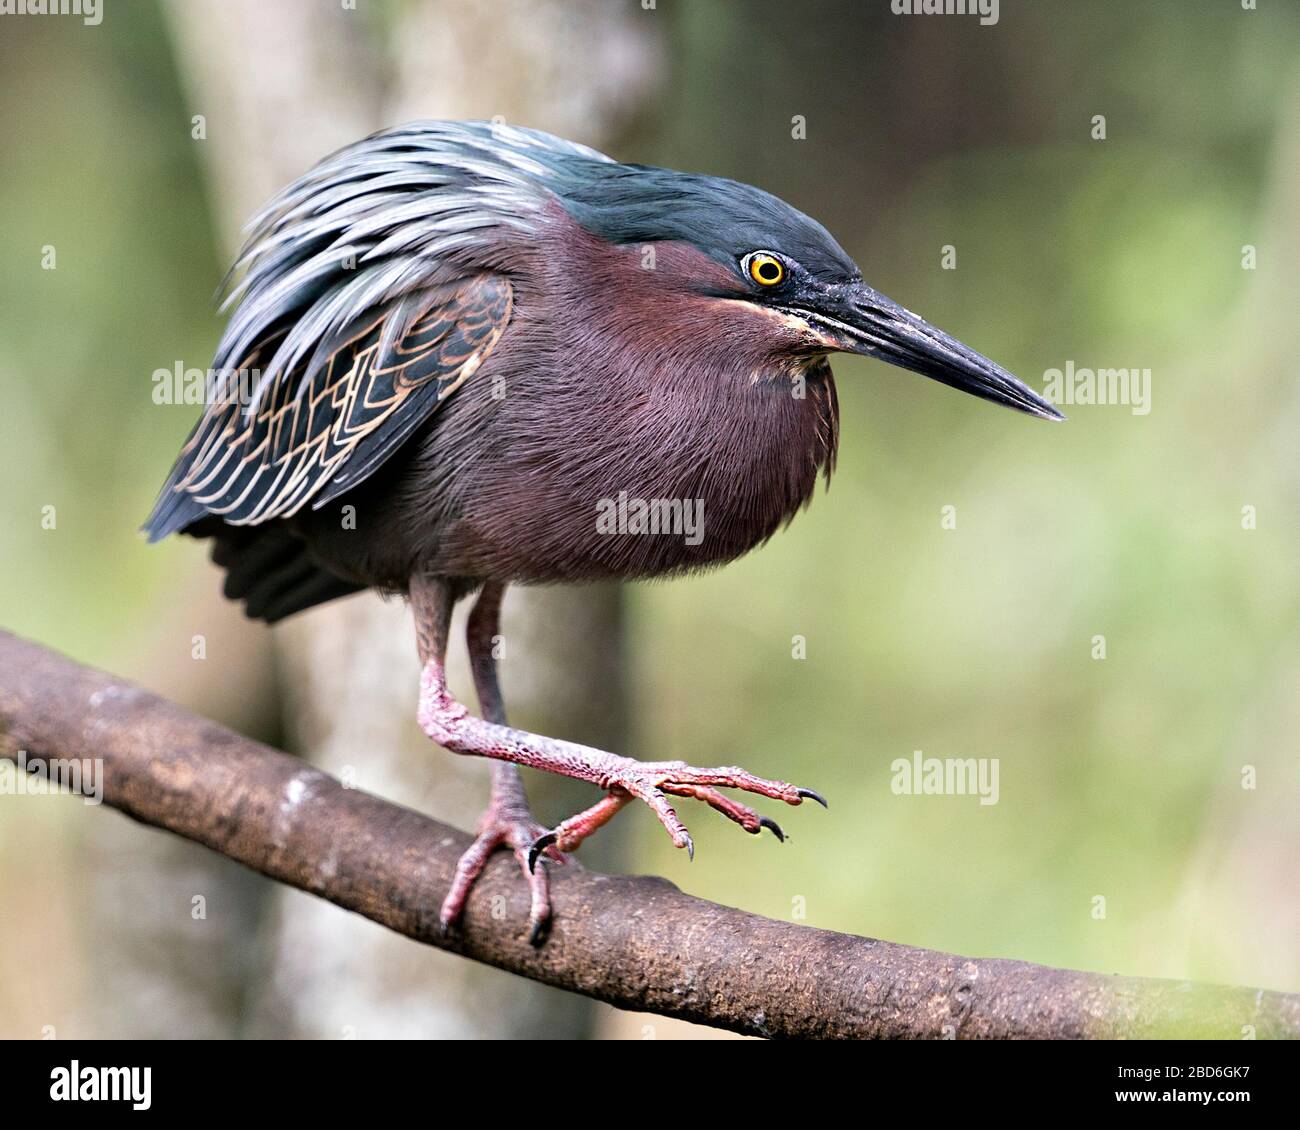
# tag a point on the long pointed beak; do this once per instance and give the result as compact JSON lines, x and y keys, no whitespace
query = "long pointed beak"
{"x":865,"y":321}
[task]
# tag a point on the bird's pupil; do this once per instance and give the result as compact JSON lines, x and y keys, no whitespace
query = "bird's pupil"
{"x":767,"y":271}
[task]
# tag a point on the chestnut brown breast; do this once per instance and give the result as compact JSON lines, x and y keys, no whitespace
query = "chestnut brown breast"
{"x":655,"y":430}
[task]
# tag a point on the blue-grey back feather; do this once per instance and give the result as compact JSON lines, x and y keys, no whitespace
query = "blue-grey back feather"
{"x":372,"y":230}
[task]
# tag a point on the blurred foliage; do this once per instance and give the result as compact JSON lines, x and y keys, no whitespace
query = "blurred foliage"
{"x":101,"y":169}
{"x":1119,"y":777}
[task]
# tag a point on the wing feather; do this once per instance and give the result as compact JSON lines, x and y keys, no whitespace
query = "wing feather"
{"x":317,"y":430}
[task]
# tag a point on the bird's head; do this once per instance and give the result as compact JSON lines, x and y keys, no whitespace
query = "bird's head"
{"x":421,"y":203}
{"x":758,"y":254}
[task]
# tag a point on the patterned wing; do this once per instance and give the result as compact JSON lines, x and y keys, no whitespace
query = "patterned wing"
{"x":318,"y":429}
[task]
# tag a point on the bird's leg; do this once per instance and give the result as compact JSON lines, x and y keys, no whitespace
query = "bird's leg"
{"x":507,"y":822}
{"x":448,"y":723}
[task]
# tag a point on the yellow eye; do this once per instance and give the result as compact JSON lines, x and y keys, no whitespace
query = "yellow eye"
{"x":765,"y":269}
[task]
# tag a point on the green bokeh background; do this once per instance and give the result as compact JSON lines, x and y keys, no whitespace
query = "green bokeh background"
{"x":1120,"y":778}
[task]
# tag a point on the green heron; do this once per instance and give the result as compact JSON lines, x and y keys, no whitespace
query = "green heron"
{"x":458,"y":349}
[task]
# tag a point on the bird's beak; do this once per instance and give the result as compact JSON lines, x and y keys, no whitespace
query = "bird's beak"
{"x":861,"y":320}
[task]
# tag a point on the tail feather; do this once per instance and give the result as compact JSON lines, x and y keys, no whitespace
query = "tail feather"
{"x":270,"y":569}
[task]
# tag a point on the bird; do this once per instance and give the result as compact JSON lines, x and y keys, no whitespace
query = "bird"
{"x":467,"y":355}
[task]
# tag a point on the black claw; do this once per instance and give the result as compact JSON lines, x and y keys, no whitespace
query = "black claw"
{"x":545,"y":840}
{"x":538,"y":931}
{"x":809,"y":794}
{"x":690,"y":849}
{"x":773,"y":826}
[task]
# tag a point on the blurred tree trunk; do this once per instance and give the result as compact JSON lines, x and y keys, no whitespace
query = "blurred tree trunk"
{"x":281,"y":85}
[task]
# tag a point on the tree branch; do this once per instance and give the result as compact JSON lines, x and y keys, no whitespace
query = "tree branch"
{"x":636,"y":942}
